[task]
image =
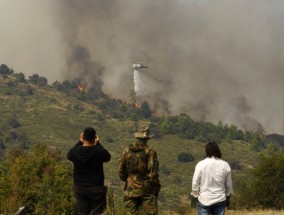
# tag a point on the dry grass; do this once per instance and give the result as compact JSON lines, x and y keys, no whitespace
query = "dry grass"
{"x":242,"y":212}
{"x":255,"y":212}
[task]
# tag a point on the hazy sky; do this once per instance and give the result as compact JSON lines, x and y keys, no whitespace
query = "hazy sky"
{"x":215,"y":60}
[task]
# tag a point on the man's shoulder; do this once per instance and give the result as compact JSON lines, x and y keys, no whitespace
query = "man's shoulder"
{"x":150,"y":149}
{"x":225,"y":163}
{"x":206,"y":161}
{"x":202,"y":162}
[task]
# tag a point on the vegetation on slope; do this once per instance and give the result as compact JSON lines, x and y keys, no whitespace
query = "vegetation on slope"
{"x":34,"y":112}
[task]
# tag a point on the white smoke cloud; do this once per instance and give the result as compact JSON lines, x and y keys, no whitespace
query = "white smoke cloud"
{"x":215,"y":60}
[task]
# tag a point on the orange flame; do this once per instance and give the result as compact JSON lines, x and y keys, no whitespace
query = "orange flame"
{"x":81,"y":89}
{"x":127,"y":102}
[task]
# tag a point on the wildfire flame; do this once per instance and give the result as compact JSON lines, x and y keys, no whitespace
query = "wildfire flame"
{"x":128,"y":102}
{"x":81,"y":89}
{"x":132,"y":104}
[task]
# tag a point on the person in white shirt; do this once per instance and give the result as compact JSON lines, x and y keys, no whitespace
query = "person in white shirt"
{"x":212,"y":182}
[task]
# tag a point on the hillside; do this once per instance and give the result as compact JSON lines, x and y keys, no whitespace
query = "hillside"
{"x":34,"y":112}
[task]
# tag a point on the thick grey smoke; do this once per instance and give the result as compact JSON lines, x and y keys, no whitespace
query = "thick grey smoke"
{"x":215,"y":60}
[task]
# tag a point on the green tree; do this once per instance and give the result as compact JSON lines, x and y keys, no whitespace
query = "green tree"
{"x":247,"y":136}
{"x":133,"y":117}
{"x":36,"y":79}
{"x":271,"y":148}
{"x":232,"y":133}
{"x":123,"y":108}
{"x":145,"y":110}
{"x":165,"y":126}
{"x":4,"y":70}
{"x":38,"y":180}
{"x":42,"y":81}
{"x":266,"y":188}
{"x":21,"y":78}
{"x":183,"y":122}
{"x":256,"y":142}
{"x":57,"y":85}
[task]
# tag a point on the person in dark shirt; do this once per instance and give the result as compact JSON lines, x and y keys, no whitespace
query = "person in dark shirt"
{"x":88,"y":156}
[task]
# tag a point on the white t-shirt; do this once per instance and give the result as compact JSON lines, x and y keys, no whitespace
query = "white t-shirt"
{"x":212,"y":181}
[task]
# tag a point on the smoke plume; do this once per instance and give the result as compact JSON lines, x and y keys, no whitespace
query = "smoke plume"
{"x":215,"y":60}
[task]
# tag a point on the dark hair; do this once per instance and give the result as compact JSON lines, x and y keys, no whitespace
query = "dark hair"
{"x":89,"y":134}
{"x":212,"y":149}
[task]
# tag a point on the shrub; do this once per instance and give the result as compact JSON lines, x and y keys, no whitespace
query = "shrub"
{"x":235,"y":165}
{"x":4,"y":69}
{"x":13,"y":122}
{"x":134,"y":117}
{"x":2,"y":144}
{"x":185,"y":157}
{"x":109,"y":140}
{"x":38,"y":180}
{"x":266,"y":188}
{"x":165,"y":170}
{"x":145,"y":110}
{"x":177,"y":180}
{"x":21,"y":78}
{"x":29,"y":90}
{"x":36,"y":79}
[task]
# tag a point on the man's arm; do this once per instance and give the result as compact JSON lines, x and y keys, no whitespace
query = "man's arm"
{"x":71,"y":151}
{"x":105,"y":156}
{"x":153,"y":168}
{"x":196,"y":181}
{"x":123,"y":167}
{"x":229,"y":183}
{"x":229,"y":186}
{"x":228,"y":201}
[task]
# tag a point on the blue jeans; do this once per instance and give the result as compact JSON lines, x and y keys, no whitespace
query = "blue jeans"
{"x":215,"y":209}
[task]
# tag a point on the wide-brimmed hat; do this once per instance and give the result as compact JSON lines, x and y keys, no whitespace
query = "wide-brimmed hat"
{"x":143,"y":132}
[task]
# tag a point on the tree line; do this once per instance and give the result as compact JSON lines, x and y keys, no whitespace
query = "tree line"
{"x":185,"y":127}
{"x":182,"y":125}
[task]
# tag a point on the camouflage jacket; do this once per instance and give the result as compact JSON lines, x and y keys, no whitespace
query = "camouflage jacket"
{"x":139,"y":167}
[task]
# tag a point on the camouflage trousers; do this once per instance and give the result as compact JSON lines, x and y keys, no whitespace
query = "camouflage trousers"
{"x":146,"y":205}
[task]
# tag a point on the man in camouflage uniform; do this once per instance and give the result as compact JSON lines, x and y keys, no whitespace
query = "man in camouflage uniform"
{"x":139,"y":167}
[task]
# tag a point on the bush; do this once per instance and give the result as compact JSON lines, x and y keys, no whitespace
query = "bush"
{"x":21,"y":78}
{"x":185,"y":157}
{"x":29,"y":90}
{"x":36,"y":79}
{"x":2,"y":144}
{"x":38,"y":180}
{"x":109,"y":140}
{"x":4,"y":69}
{"x":134,"y":117}
{"x":76,"y":107}
{"x":177,"y":180}
{"x":235,"y":165}
{"x":165,"y":170}
{"x":145,"y":110}
{"x":13,"y":122}
{"x":266,"y":188}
